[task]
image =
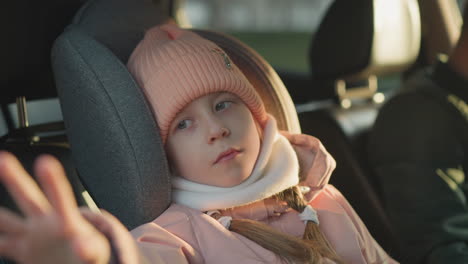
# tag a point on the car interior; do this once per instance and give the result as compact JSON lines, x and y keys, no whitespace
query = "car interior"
{"x":71,"y":56}
{"x":347,"y":57}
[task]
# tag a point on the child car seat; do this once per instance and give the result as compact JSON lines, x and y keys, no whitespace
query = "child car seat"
{"x":113,"y":134}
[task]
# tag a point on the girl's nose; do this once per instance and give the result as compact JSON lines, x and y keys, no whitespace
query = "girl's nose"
{"x":218,"y":131}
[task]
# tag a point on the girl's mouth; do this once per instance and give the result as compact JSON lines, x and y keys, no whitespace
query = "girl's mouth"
{"x":227,"y":155}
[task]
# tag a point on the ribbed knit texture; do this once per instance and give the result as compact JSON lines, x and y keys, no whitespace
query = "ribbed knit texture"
{"x":174,"y":66}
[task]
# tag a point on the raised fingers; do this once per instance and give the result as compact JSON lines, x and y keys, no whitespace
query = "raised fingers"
{"x":51,"y":176}
{"x":21,"y":186}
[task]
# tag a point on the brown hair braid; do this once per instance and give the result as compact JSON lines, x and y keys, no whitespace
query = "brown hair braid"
{"x":312,"y":248}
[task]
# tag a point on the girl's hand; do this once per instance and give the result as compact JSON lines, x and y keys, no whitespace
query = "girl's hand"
{"x":305,"y":147}
{"x":315,"y":163}
{"x":276,"y":207}
{"x":52,"y":229}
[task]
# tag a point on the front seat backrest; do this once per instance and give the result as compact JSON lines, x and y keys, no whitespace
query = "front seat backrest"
{"x":382,"y":37}
{"x":356,"y":42}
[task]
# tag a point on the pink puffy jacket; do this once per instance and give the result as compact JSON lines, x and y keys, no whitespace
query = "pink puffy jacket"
{"x":185,"y":235}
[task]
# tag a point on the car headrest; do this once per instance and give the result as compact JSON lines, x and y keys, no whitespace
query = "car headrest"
{"x":29,"y":32}
{"x":357,"y":39}
{"x":113,"y":134}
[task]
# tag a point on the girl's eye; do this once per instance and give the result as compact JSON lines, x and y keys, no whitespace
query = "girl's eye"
{"x":222,"y":105}
{"x":183,"y":124}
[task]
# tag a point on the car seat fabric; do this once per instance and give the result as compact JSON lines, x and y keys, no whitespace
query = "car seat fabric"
{"x":113,"y":135}
{"x":120,"y":24}
{"x":114,"y":139}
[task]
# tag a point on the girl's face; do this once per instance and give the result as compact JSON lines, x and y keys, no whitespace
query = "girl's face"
{"x":214,"y":141}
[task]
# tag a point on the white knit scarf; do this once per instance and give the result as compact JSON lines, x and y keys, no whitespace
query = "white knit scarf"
{"x":276,"y":169}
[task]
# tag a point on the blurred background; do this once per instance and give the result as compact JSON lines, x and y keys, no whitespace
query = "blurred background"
{"x":268,"y":26}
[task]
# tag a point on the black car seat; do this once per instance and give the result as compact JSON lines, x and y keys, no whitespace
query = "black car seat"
{"x":113,"y":134}
{"x":357,"y":42}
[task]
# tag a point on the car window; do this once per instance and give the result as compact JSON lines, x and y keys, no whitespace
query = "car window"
{"x":279,"y":30}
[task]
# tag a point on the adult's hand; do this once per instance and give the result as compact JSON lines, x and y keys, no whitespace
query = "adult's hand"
{"x":52,"y":229}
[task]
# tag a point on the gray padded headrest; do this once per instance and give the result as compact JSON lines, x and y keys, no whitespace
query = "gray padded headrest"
{"x":120,"y":24}
{"x":360,"y":38}
{"x":114,"y":139}
{"x":113,"y":135}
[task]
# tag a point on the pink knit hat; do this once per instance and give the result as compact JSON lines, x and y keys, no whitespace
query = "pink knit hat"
{"x":176,"y":66}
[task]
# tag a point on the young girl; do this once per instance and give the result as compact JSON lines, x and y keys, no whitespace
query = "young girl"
{"x":242,"y":191}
